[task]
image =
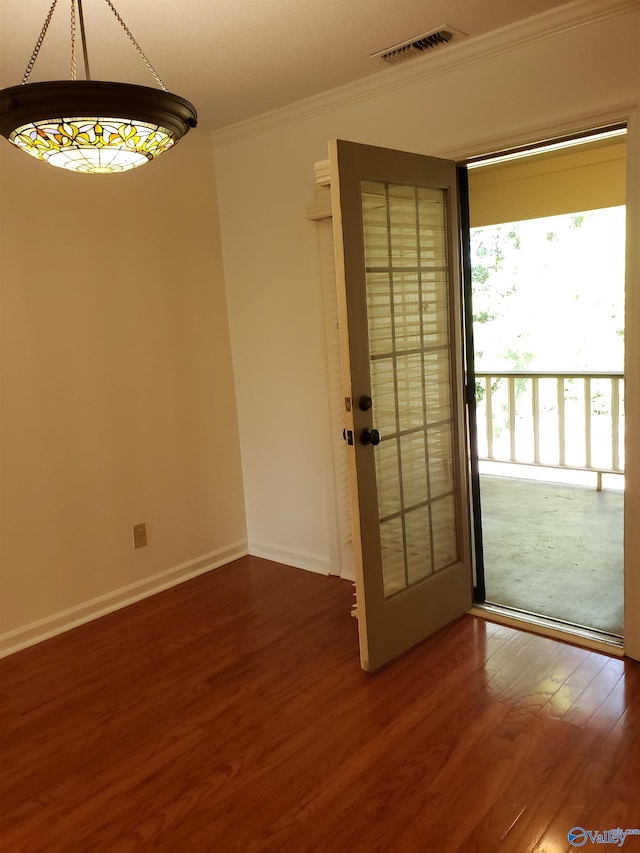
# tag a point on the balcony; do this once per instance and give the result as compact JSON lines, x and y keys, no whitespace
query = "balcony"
{"x":551,"y":450}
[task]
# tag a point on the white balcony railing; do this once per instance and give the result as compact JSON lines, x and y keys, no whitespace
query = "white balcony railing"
{"x":572,"y":420}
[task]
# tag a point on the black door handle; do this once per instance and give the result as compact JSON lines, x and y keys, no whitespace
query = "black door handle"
{"x":370,"y":436}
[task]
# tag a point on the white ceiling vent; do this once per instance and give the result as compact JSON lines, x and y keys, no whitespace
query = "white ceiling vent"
{"x":419,"y":44}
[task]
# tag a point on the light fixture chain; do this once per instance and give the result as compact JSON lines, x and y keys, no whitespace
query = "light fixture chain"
{"x":136,"y":45}
{"x":73,"y":40}
{"x":83,"y":36}
{"x":36,"y":49}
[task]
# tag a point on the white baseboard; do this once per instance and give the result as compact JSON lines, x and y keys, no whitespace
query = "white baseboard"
{"x":58,"y":623}
{"x":289,"y":557}
{"x":348,"y":573}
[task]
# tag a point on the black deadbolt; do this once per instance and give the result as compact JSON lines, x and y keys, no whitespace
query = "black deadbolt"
{"x":365,"y":403}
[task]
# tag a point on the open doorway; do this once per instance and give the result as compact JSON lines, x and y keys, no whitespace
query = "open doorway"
{"x":548,"y":270}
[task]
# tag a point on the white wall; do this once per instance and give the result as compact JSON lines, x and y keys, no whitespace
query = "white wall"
{"x":450,"y":103}
{"x":117,"y":399}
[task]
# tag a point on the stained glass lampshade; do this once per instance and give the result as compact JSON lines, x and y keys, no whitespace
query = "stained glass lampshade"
{"x":91,"y":126}
{"x":87,"y":126}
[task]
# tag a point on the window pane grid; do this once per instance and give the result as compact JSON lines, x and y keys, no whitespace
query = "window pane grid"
{"x":409,"y":345}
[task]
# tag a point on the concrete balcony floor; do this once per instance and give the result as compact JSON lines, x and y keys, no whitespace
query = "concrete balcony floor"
{"x":554,"y":549}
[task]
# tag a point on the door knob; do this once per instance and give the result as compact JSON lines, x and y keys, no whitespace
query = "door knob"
{"x":370,"y":436}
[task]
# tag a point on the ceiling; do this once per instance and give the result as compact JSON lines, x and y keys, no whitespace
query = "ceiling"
{"x":235,"y":59}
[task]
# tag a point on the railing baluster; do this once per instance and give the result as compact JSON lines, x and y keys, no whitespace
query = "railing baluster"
{"x":615,"y":425}
{"x":561,"y":431}
{"x":489,"y":416}
{"x":587,"y":421}
{"x":512,"y":418}
{"x":535,"y":405}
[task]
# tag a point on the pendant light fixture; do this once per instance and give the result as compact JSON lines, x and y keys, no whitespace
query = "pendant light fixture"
{"x":92,"y":127}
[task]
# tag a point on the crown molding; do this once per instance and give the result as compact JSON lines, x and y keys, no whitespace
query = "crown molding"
{"x":513,"y":37}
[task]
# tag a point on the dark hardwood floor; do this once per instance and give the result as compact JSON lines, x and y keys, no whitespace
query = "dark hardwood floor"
{"x":230,"y":713}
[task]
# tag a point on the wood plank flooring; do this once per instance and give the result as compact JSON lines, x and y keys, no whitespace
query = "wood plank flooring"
{"x":230,"y":713}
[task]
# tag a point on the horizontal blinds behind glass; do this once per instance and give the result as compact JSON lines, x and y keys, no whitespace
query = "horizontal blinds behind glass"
{"x":409,"y":348}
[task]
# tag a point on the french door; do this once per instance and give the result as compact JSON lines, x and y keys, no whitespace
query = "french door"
{"x":396,"y":232}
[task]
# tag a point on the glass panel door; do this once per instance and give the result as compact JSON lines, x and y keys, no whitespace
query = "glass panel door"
{"x":398,"y":270}
{"x":407,"y":283}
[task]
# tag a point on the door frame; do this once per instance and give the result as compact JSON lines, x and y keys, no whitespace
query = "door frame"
{"x":481,"y":607}
{"x":629,"y":113}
